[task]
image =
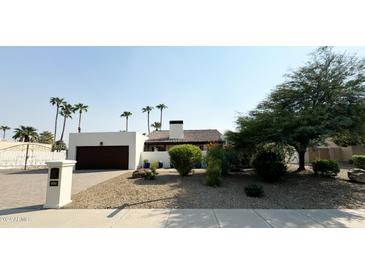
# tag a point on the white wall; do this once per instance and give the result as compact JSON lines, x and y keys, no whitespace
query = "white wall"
{"x":159,"y":156}
{"x":134,"y":140}
{"x":16,"y":158}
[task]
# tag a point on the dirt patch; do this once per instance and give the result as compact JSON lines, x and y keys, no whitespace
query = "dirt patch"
{"x":169,"y":190}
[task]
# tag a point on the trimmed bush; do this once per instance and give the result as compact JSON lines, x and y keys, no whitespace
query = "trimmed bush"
{"x":254,"y":190}
{"x":359,"y":161}
{"x":327,"y":168}
{"x":154,"y":166}
{"x":214,"y":172}
{"x":185,"y":157}
{"x":269,"y":162}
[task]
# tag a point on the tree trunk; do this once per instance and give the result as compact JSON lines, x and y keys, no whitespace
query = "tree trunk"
{"x":79,"y":129}
{"x":4,"y":134}
{"x":55,"y":126}
{"x":301,"y":160}
{"x":161,"y":120}
{"x":63,"y":130}
{"x":126,"y":124}
{"x":148,"y":121}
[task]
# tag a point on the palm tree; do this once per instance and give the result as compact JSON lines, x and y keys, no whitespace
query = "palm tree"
{"x":126,"y":115}
{"x":25,"y":134}
{"x":80,"y":108}
{"x":66,"y":111}
{"x":161,"y":107}
{"x":46,"y":137}
{"x":58,"y":102}
{"x":156,"y":126}
{"x":148,"y":109}
{"x":4,"y":129}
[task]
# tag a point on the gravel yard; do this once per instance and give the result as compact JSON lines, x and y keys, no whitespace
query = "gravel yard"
{"x":169,"y":190}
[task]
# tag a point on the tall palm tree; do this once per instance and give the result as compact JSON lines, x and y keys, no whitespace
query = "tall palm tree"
{"x":66,"y":111}
{"x":58,"y":102}
{"x":126,"y":115}
{"x":156,"y":126}
{"x":25,"y":134}
{"x":161,"y":107}
{"x":148,"y":109}
{"x":80,"y":108}
{"x":4,"y":129}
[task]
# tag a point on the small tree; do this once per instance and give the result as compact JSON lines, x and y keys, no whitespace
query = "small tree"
{"x":185,"y":157}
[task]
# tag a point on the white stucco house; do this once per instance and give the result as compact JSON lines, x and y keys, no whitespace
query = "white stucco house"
{"x":128,"y":150}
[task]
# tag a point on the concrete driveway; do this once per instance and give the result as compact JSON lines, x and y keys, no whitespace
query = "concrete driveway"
{"x":28,"y":188}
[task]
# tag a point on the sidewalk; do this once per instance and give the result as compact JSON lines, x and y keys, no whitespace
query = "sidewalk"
{"x":182,"y":218}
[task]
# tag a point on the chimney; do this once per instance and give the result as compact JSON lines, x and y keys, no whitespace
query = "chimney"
{"x":176,"y":130}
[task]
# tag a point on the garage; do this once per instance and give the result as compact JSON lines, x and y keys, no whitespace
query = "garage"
{"x":102,"y":157}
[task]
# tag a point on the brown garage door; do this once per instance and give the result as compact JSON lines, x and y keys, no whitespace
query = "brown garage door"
{"x":103,"y":157}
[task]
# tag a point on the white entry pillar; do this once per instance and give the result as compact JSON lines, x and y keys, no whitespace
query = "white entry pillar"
{"x":59,"y":183}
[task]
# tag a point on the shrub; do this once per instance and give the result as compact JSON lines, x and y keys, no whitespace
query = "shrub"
{"x":150,"y":175}
{"x":214,"y":172}
{"x":226,"y":155}
{"x":59,"y":146}
{"x":185,"y":157}
{"x":359,"y":161}
{"x":154,"y":166}
{"x":327,"y":168}
{"x":254,"y":190}
{"x":269,"y":162}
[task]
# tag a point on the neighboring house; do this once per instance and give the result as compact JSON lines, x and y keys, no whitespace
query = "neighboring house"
{"x":166,"y":139}
{"x":128,"y":150}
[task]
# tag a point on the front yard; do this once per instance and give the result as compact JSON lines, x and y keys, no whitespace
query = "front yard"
{"x":169,"y":190}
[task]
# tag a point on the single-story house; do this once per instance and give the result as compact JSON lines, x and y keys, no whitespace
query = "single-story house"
{"x":128,"y":150}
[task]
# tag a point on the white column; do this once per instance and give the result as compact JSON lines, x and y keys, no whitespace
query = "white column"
{"x":59,"y":184}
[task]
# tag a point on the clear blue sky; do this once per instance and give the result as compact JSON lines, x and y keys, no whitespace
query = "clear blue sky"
{"x":204,"y":86}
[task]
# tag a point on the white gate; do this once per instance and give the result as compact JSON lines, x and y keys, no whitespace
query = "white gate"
{"x":28,"y":155}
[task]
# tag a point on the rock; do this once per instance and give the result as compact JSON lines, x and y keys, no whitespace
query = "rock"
{"x":357,"y":175}
{"x":140,"y":173}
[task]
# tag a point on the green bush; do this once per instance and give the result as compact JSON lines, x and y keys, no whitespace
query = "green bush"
{"x":226,"y":155}
{"x":254,"y":190}
{"x":59,"y":146}
{"x":214,"y":172}
{"x":154,"y":167}
{"x":359,"y":161}
{"x":327,"y":168}
{"x":269,"y":162}
{"x":150,"y":175}
{"x":185,"y":157}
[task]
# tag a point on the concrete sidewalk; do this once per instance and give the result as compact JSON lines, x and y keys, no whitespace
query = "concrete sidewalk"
{"x":182,"y":218}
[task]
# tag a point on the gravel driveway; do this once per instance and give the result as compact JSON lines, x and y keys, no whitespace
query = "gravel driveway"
{"x":28,"y":188}
{"x":169,"y":190}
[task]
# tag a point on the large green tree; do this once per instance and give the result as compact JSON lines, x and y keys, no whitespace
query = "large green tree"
{"x":323,"y":98}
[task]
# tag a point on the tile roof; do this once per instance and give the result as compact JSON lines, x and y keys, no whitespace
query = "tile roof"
{"x":190,"y":136}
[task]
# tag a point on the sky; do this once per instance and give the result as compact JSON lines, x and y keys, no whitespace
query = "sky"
{"x":207,"y":87}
